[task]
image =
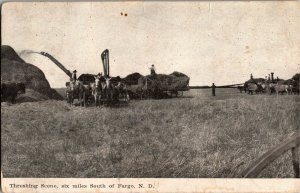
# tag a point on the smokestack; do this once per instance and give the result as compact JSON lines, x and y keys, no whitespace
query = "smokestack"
{"x":272,"y":76}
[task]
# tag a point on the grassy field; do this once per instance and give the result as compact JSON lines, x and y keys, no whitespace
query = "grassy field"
{"x":195,"y":136}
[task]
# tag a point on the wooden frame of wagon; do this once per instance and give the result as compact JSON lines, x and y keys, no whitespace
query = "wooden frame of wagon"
{"x":154,"y":88}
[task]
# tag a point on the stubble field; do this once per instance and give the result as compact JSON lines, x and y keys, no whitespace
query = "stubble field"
{"x":196,"y":136}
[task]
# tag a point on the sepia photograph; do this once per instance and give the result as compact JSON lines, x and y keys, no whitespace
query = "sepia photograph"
{"x":150,"y":89}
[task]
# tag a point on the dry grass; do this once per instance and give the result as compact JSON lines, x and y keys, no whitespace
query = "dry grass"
{"x":196,"y":136}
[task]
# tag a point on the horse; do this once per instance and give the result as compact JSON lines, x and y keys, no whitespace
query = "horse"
{"x":76,"y":90}
{"x":282,"y":88}
{"x":253,"y":87}
{"x":108,"y":90}
{"x":295,"y":88}
{"x":240,"y":88}
{"x":97,"y":89}
{"x":11,"y":90}
{"x":121,"y":91}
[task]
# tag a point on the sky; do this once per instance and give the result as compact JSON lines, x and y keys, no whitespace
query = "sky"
{"x":220,"y":42}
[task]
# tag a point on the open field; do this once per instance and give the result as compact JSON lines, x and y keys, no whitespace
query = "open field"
{"x":194,"y":136}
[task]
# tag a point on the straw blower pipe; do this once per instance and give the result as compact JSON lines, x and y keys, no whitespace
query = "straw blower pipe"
{"x":57,"y":63}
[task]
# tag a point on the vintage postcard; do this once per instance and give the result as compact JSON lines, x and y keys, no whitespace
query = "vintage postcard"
{"x":150,"y":96}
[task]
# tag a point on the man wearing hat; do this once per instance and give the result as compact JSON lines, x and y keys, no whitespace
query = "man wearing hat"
{"x":152,"y":70}
{"x":74,"y":76}
{"x":99,"y":75}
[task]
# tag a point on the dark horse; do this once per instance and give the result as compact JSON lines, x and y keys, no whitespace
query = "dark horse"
{"x":9,"y":91}
{"x":121,"y":92}
{"x":241,"y":88}
{"x":76,"y":90}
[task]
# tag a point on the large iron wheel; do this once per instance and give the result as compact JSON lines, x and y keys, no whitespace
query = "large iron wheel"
{"x":266,"y":159}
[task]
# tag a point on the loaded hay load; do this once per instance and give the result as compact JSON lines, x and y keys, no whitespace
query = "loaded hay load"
{"x":16,"y":70}
{"x":132,"y":79}
{"x":174,"y":82}
{"x":160,"y":85}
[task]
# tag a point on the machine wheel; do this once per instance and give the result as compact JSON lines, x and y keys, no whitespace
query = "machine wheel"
{"x":266,"y":159}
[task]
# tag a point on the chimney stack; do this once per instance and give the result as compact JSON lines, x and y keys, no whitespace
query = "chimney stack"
{"x":272,"y":76}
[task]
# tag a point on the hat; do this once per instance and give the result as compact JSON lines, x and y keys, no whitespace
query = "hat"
{"x":75,"y":71}
{"x":152,"y":64}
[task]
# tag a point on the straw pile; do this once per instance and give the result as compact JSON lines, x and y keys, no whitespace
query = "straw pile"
{"x":14,"y":69}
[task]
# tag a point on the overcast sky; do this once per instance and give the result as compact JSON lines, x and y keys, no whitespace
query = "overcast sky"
{"x":221,"y":42}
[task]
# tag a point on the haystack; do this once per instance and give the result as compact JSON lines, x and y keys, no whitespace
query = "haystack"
{"x":15,"y":69}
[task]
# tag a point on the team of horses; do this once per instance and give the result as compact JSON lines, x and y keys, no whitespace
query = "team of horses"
{"x":270,"y":87}
{"x":9,"y":91}
{"x":99,"y":92}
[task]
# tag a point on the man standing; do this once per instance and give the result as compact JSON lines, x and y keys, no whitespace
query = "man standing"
{"x":213,"y":89}
{"x":152,"y":70}
{"x":99,"y":75}
{"x":74,"y":76}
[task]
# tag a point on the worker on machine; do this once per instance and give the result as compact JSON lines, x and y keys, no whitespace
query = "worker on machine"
{"x":74,"y":76}
{"x":152,"y":70}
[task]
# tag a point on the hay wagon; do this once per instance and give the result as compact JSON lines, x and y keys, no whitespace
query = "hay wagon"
{"x":158,"y":86}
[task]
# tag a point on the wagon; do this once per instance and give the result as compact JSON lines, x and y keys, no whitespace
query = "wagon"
{"x":292,"y":143}
{"x":159,"y":86}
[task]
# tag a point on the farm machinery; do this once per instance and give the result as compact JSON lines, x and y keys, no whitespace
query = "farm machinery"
{"x":271,"y":85}
{"x":116,"y":90}
{"x":108,"y":90}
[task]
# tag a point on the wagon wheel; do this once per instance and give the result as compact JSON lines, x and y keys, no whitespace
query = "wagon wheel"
{"x":292,"y":144}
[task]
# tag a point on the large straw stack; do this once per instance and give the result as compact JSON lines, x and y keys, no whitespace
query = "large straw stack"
{"x":14,"y":69}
